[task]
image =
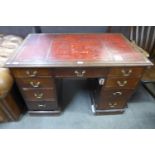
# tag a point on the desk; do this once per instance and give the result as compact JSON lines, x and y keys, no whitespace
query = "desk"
{"x":112,"y":63}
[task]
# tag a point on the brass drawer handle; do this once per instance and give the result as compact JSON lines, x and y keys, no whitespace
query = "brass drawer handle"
{"x":126,"y":73}
{"x":38,"y":95}
{"x":117,"y":93}
{"x":112,"y":105}
{"x":31,"y":74}
{"x":42,"y":105}
{"x":122,"y":84}
{"x":35,"y":85}
{"x":80,"y":74}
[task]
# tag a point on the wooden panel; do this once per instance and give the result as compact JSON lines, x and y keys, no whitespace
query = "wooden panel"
{"x":42,"y":105}
{"x":31,"y":72}
{"x":122,"y":83}
{"x":126,"y":71}
{"x":81,"y":72}
{"x":3,"y":117}
{"x":35,"y":82}
{"x":39,"y":94}
{"x":12,"y":106}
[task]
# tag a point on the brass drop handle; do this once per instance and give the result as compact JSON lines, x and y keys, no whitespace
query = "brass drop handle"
{"x":126,"y":73}
{"x":112,"y":105}
{"x":117,"y":93}
{"x":122,"y":84}
{"x":41,"y":105}
{"x":38,"y":95}
{"x":31,"y":74}
{"x":80,"y":74}
{"x":35,"y":85}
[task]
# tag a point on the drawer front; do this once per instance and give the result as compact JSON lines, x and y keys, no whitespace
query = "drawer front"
{"x":115,"y":94}
{"x":123,"y":83}
{"x":80,"y":72}
{"x":126,"y":71}
{"x":111,"y":105}
{"x":31,"y":72}
{"x":35,"y":82}
{"x":39,"y":94}
{"x":46,"y":105}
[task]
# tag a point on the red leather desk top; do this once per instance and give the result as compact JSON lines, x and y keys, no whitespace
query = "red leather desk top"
{"x":69,"y":50}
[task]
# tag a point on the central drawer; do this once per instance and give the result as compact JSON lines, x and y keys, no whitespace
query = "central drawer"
{"x":39,"y":94}
{"x":36,"y":82}
{"x":80,"y":72}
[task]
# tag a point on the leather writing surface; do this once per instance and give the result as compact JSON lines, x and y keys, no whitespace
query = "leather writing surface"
{"x":59,"y":49}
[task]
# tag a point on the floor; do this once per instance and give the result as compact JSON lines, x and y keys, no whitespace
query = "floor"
{"x":139,"y":114}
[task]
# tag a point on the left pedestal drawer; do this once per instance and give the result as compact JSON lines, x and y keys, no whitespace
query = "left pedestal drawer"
{"x":42,"y":105}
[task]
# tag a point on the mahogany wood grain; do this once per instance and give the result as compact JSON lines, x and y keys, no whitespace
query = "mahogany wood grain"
{"x":121,"y":82}
{"x":37,"y":82}
{"x":39,"y":94}
{"x":42,"y":105}
{"x":31,"y":72}
{"x":81,"y":72}
{"x":126,"y":71}
{"x":115,"y":94}
{"x":107,"y":105}
{"x":3,"y":116}
{"x":11,"y":106}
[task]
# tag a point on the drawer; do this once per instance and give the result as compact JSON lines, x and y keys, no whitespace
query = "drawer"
{"x":42,"y":105}
{"x":81,"y":72}
{"x":126,"y":71}
{"x":123,"y":83}
{"x":115,"y":94}
{"x":36,"y":82}
{"x":39,"y":94}
{"x":107,"y":105}
{"x":31,"y":72}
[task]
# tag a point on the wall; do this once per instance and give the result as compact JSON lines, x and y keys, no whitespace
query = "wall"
{"x":24,"y":30}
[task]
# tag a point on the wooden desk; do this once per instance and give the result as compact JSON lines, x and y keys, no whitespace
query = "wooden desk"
{"x":113,"y":64}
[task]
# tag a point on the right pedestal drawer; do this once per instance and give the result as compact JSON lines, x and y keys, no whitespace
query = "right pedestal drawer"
{"x":126,"y":71}
{"x":121,"y":82}
{"x":113,"y":98}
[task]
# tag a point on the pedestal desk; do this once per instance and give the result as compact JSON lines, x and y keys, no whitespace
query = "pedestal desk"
{"x":110,"y":63}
